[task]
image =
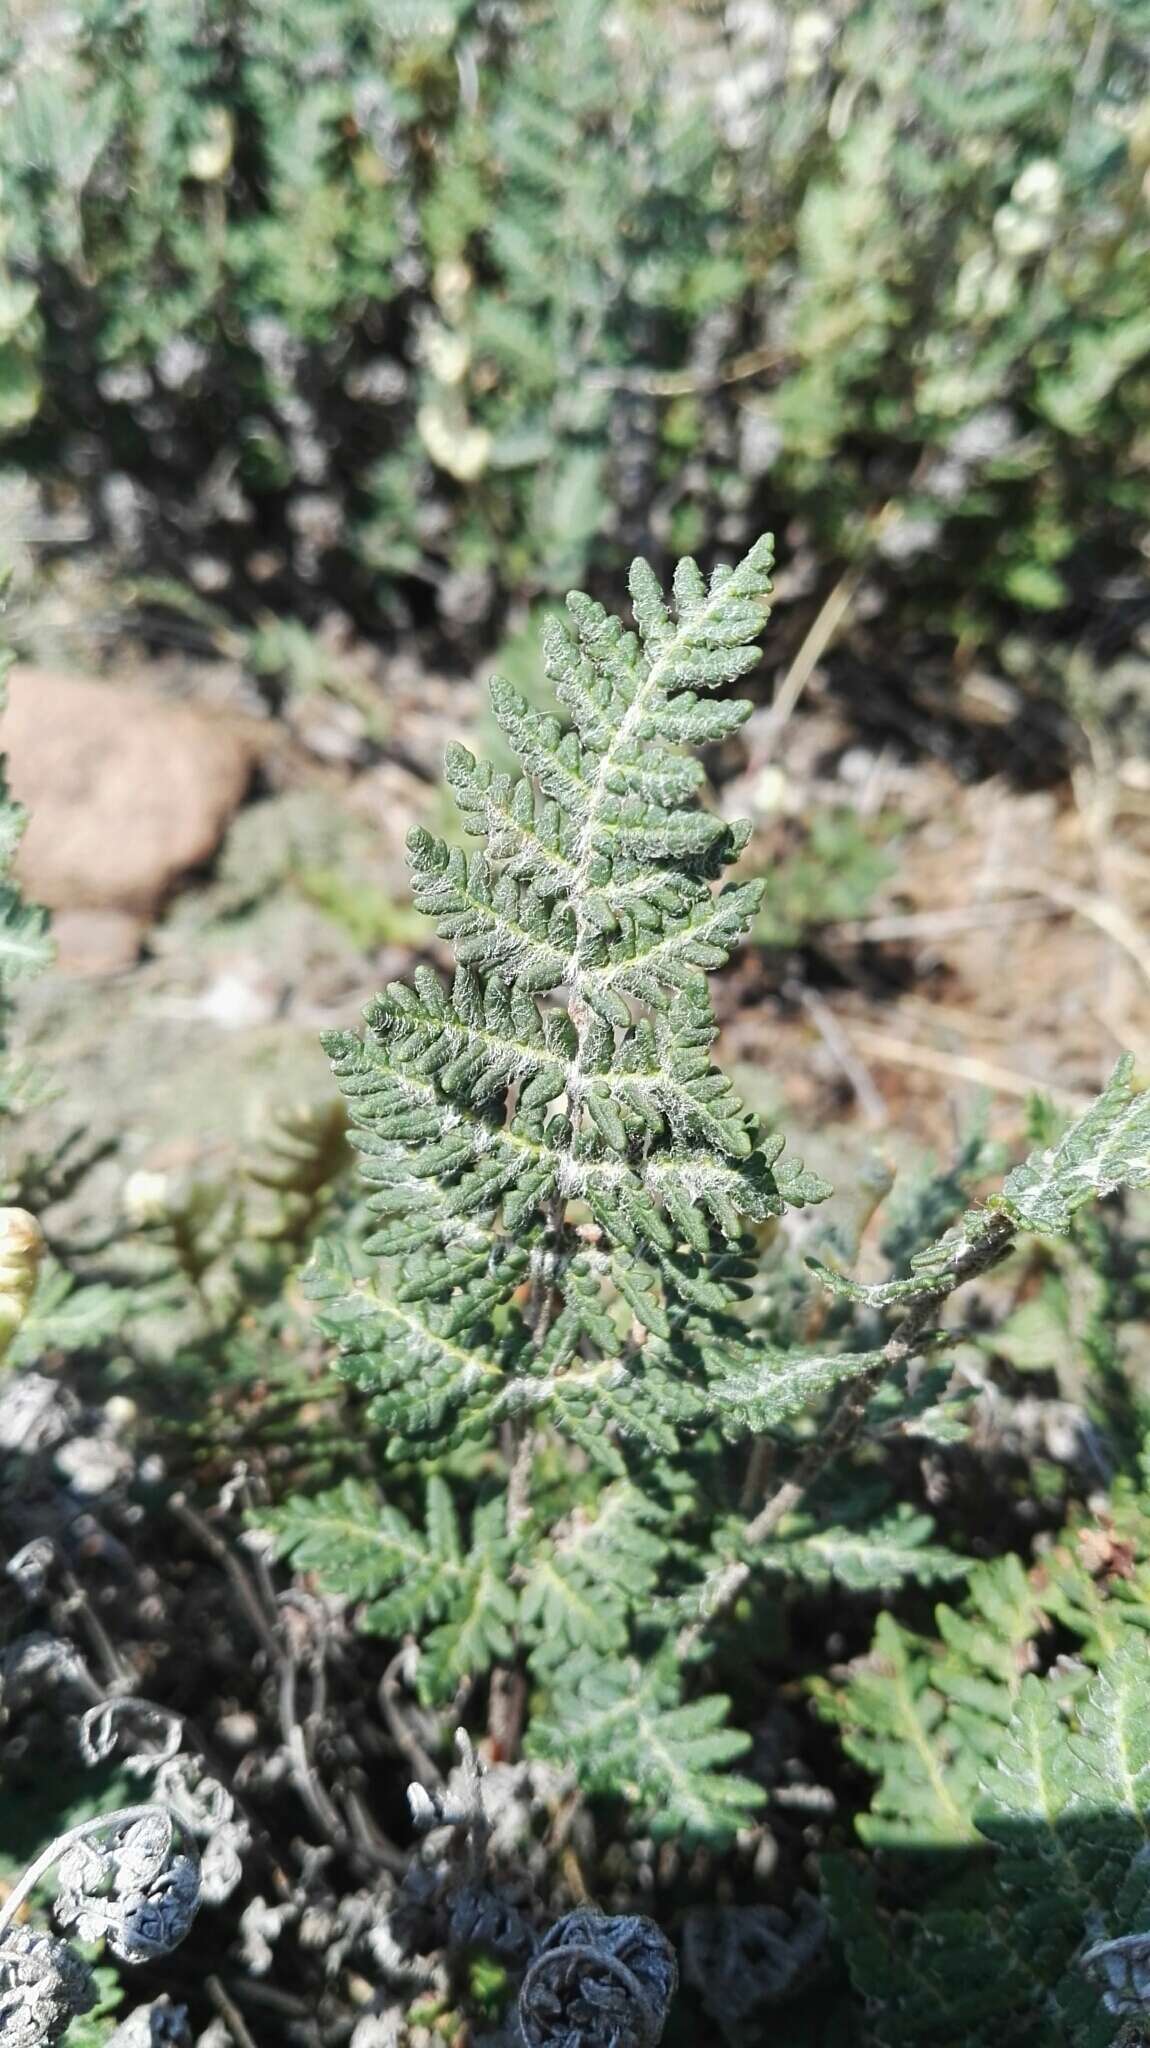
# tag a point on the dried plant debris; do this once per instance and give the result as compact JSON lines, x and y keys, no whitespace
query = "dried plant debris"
{"x":123,"y":1879}
{"x":598,"y":1982}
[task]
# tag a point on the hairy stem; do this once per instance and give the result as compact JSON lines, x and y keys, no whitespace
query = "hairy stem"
{"x":845,"y":1423}
{"x":519,"y":1478}
{"x":508,"y":1691}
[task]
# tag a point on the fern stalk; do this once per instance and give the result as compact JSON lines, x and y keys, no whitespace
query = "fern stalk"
{"x":836,"y":1439}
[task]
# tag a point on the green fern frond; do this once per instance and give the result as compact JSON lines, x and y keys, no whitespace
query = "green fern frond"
{"x":1105,"y":1149}
{"x":26,"y":945}
{"x":357,"y":1547}
{"x":449,"y":1590}
{"x":547,"y":1140}
{"x":63,"y":1316}
{"x":766,"y":1385}
{"x":1033,"y":1776}
{"x":619,"y":1723}
{"x":891,"y":1552}
{"x":1061,"y":1827}
{"x":893,"y":1720}
{"x":582,"y":1584}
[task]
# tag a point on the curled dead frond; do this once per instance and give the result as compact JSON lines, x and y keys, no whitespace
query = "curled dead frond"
{"x":599,"y":1982}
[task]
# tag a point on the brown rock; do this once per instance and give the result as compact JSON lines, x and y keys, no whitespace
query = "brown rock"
{"x":96,"y":942}
{"x":126,"y":794}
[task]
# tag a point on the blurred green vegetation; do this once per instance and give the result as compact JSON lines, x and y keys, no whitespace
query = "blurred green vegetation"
{"x":828,"y":878}
{"x":430,"y":305}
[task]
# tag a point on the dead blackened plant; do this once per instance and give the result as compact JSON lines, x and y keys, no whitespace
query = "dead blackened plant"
{"x":599,"y":1981}
{"x":130,"y":1879}
{"x":1120,"y":1971}
{"x":203,"y":1806}
{"x":450,"y":1897}
{"x":592,"y":1981}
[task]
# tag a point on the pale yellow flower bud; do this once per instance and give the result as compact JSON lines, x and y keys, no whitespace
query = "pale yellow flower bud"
{"x":21,"y":1249}
{"x":210,"y":158}
{"x":453,"y":444}
{"x":146,"y":1198}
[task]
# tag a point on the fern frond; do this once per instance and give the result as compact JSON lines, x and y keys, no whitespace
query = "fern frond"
{"x":452,"y":1592}
{"x":622,"y":1728}
{"x":583,"y":1583}
{"x":894,"y":1723}
{"x":1063,"y":1814}
{"x":63,"y":1316}
{"x":1105,"y":1149}
{"x":891,"y":1552}
{"x":768,"y":1385}
{"x":1038,"y":1786}
{"x":548,"y":1138}
{"x":26,"y":945}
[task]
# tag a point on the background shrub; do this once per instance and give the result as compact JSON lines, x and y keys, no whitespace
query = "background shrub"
{"x":439,"y":302}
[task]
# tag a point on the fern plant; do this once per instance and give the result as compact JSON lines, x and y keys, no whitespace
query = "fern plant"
{"x":555,"y":1315}
{"x":560,"y":1187}
{"x":1011,"y":1805}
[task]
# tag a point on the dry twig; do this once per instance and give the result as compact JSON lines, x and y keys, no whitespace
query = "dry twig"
{"x":981,"y":1073}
